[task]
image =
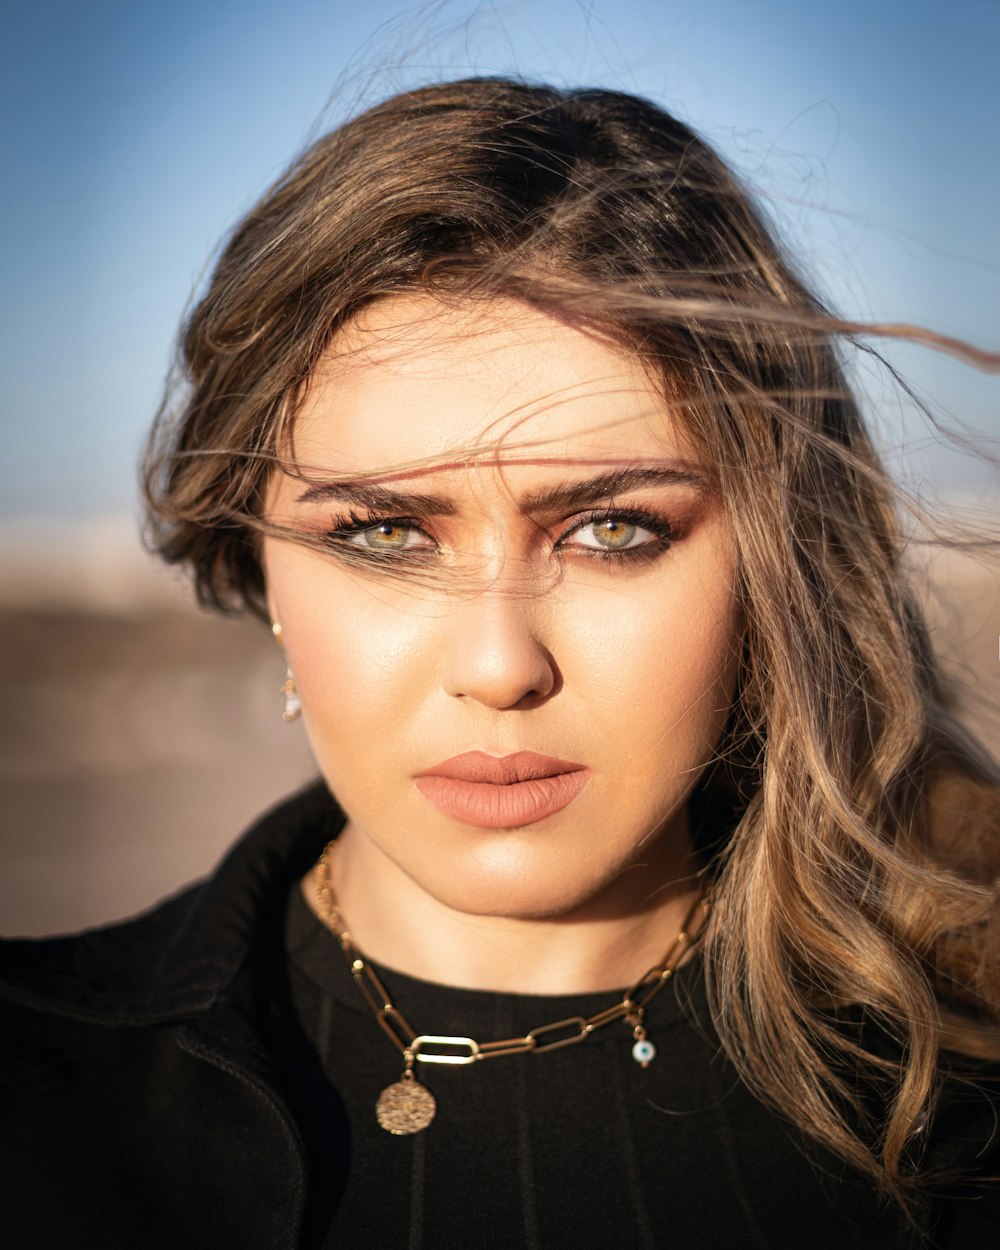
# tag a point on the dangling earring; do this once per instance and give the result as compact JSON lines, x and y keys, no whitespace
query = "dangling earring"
{"x":291,"y":704}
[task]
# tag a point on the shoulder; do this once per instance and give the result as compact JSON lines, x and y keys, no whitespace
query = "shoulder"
{"x":175,"y":958}
{"x":114,"y":1042}
{"x":962,"y":1150}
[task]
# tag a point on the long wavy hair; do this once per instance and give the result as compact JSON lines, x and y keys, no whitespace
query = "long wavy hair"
{"x":850,"y":827}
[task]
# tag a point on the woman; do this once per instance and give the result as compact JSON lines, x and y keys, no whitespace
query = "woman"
{"x":506,"y":412}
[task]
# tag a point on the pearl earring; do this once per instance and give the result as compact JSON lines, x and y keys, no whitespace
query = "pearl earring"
{"x":291,"y":704}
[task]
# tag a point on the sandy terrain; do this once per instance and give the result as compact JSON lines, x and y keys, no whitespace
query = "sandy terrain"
{"x":140,"y":740}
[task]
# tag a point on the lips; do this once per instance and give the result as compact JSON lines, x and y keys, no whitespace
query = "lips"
{"x":502,"y":792}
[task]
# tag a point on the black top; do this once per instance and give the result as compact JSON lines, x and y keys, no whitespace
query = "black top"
{"x":205,"y":1077}
{"x":578,"y":1147}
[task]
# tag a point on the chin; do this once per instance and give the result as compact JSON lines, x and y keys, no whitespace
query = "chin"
{"x":521,"y":896}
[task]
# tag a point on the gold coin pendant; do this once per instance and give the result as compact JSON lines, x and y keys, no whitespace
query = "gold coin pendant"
{"x":406,"y":1107}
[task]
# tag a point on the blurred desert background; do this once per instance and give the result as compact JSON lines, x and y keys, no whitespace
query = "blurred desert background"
{"x":141,"y":736}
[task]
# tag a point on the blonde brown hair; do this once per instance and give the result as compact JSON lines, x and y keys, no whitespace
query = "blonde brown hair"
{"x":852,"y":826}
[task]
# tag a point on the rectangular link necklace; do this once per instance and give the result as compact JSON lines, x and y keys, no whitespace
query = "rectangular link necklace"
{"x":406,"y":1106}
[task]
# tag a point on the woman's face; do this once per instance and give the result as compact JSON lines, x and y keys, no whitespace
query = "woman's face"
{"x":516,"y":653}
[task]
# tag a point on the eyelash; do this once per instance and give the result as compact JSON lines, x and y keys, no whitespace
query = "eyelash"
{"x":345,"y":527}
{"x":659,"y":527}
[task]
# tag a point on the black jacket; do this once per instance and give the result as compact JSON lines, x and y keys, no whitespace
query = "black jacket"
{"x":135,"y":1087}
{"x":141,"y":1102}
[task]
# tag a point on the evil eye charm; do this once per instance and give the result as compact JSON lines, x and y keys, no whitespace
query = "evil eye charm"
{"x":644,"y":1052}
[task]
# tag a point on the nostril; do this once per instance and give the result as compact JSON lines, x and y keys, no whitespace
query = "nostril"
{"x":501,"y":663}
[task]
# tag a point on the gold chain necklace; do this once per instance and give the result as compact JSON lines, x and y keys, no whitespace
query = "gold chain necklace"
{"x":406,"y":1106}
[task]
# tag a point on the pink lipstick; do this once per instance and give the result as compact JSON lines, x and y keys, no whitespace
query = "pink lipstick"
{"x":502,"y":791}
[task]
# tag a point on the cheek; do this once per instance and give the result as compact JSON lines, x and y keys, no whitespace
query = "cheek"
{"x":668,"y":640}
{"x":352,"y":651}
{"x":660,"y":668}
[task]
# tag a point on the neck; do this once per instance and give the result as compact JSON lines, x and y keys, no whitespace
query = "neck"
{"x":604,"y":944}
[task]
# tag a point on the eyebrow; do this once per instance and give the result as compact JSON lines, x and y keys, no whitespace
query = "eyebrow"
{"x":380,"y":499}
{"x":607,"y":485}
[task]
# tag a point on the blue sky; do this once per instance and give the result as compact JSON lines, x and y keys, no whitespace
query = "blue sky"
{"x":139,"y":132}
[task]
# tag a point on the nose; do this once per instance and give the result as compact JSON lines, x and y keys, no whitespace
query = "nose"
{"x":495,"y":654}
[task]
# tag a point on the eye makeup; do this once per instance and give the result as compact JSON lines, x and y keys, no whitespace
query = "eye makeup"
{"x":630,"y":534}
{"x":619,"y":534}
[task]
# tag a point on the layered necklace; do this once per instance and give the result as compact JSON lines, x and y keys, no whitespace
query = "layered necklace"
{"x":407,"y":1106}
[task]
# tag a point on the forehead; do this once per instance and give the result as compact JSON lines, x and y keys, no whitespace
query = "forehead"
{"x":411,"y":379}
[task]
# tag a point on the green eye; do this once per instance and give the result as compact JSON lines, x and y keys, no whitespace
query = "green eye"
{"x":629,"y":533}
{"x":385,"y":536}
{"x":388,"y":536}
{"x":611,"y":534}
